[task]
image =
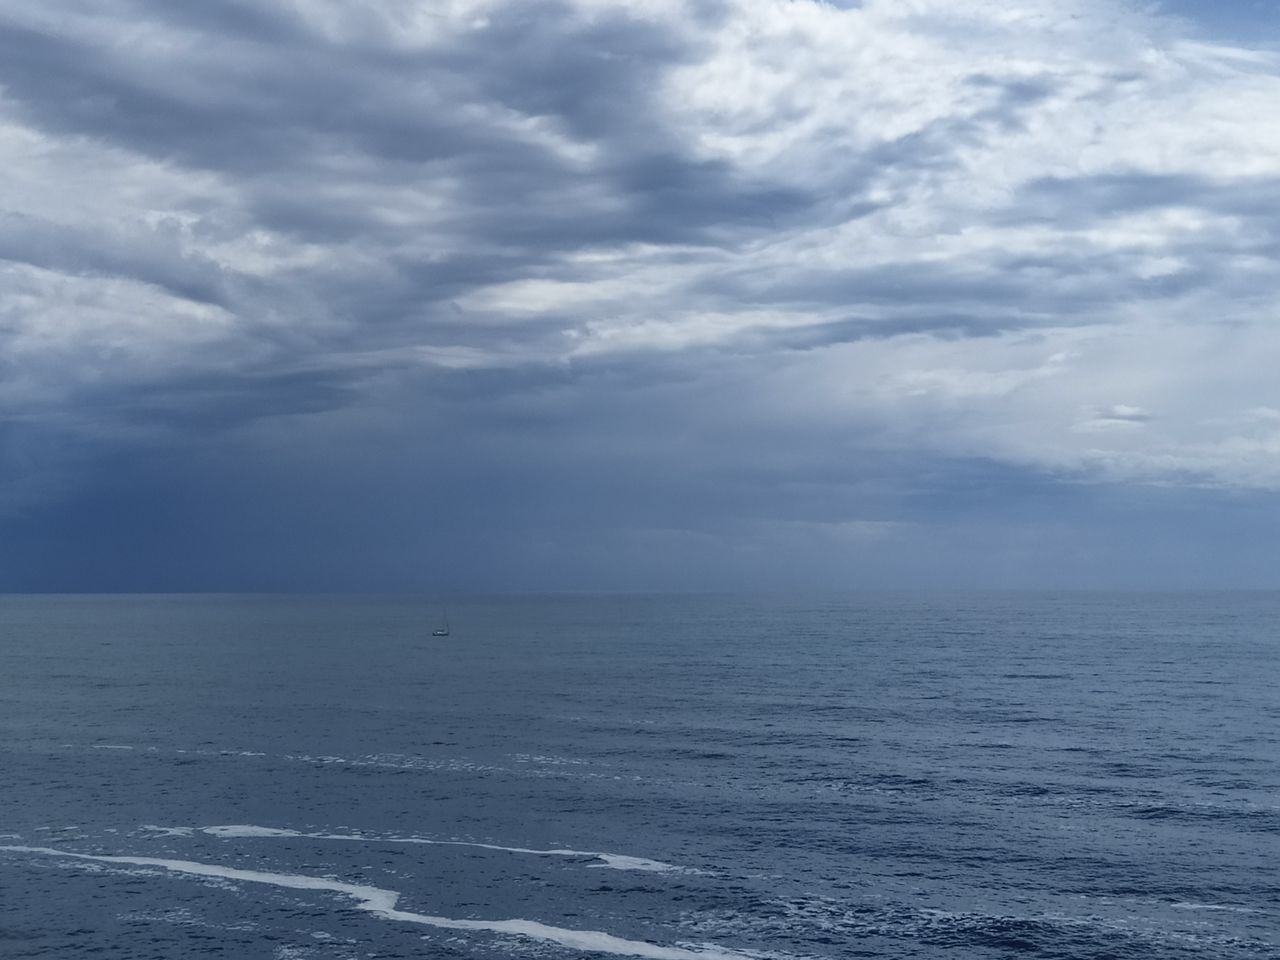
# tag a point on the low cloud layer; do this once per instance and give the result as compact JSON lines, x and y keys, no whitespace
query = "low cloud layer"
{"x":635,"y":294}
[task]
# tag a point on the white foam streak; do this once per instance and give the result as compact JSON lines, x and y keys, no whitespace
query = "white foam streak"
{"x":614,"y":861}
{"x":169,"y":831}
{"x":618,"y":861}
{"x":246,"y":830}
{"x":382,"y":903}
{"x":1232,"y":908}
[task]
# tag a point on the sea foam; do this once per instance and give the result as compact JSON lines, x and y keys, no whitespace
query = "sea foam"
{"x":169,"y":831}
{"x":615,"y":861}
{"x":382,"y":903}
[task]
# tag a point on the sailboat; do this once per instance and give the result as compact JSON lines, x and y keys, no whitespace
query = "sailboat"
{"x":443,"y":629}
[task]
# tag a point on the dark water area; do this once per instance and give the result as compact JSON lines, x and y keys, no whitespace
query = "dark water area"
{"x":897,"y":776}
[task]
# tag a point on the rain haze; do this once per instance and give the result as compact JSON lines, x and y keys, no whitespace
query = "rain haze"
{"x":638,"y":295}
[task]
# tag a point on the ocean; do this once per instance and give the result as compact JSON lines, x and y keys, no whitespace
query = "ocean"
{"x":665,"y":777}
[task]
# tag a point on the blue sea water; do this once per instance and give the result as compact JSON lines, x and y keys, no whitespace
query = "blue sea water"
{"x":896,"y":776}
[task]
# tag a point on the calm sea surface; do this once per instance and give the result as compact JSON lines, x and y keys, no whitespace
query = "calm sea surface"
{"x":958,"y":776}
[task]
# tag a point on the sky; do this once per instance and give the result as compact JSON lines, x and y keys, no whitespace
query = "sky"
{"x":639,"y":295}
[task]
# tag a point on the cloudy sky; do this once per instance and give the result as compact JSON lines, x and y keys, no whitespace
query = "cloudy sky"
{"x":639,"y":294}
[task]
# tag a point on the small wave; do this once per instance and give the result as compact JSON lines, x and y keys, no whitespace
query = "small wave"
{"x":614,"y":861}
{"x":169,"y":831}
{"x":183,"y":917}
{"x":1248,"y":816}
{"x":553,"y":761}
{"x":1036,"y":676}
{"x":247,"y":830}
{"x":544,"y":767}
{"x":1226,"y":907}
{"x":382,"y":903}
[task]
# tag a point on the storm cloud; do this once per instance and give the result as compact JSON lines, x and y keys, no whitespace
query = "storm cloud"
{"x":637,"y":294}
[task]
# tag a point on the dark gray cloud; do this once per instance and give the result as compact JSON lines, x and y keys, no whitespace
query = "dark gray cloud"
{"x":153,"y":256}
{"x":561,"y":294}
